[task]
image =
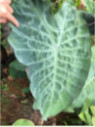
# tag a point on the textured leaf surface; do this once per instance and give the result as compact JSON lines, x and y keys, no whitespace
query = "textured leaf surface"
{"x":56,"y":48}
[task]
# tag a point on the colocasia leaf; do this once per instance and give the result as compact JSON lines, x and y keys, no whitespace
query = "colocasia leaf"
{"x":56,"y":48}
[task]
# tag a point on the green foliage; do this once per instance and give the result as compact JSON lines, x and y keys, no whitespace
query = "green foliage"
{"x":93,"y":41}
{"x":56,"y":6}
{"x":90,"y":6}
{"x":88,"y":113}
{"x":77,"y":3}
{"x":18,"y":66}
{"x":4,"y":87}
{"x":93,"y":121}
{"x":26,"y":90}
{"x":57,"y":50}
{"x":17,"y":70}
{"x":23,"y":122}
{"x":92,"y":108}
{"x":88,"y":91}
{"x":90,"y":21}
{"x":93,"y":54}
{"x":4,"y":43}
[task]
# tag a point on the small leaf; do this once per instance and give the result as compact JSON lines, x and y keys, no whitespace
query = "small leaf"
{"x":93,"y":121}
{"x":92,"y":108}
{"x":26,"y":90}
{"x":17,"y":70}
{"x":17,"y":66}
{"x":23,"y":122}
{"x":85,"y":116}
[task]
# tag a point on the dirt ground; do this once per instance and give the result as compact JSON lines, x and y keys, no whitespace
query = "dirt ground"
{"x":15,"y":104}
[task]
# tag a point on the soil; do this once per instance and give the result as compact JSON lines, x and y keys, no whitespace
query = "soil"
{"x":15,"y":105}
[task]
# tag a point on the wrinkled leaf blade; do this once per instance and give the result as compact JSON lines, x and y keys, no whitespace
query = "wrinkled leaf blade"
{"x":56,"y":48}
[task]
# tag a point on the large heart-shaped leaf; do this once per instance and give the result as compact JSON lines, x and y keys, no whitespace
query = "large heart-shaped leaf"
{"x":56,"y":48}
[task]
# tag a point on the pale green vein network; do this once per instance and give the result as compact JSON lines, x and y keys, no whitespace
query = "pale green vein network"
{"x":44,"y":42}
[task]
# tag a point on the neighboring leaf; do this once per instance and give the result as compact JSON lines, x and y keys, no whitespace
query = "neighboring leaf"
{"x":26,"y":90}
{"x":93,"y":120}
{"x":17,"y":74}
{"x":92,"y":108}
{"x":85,"y":116}
{"x":93,"y":42}
{"x":56,"y":48}
{"x":56,"y":6}
{"x":93,"y":54}
{"x":88,"y":113}
{"x":17,"y":70}
{"x":4,"y":87}
{"x":90,"y":6}
{"x":77,"y":3}
{"x":17,"y":66}
{"x":23,"y":122}
{"x":88,"y":91}
{"x":90,"y":21}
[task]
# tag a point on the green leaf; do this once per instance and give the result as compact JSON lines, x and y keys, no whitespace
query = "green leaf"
{"x":4,"y":87}
{"x":93,"y":120}
{"x":93,"y":43}
{"x":77,"y":3}
{"x":56,"y":48}
{"x":90,"y":6}
{"x":85,"y":116}
{"x":90,"y":21}
{"x":26,"y":90}
{"x":92,"y":108}
{"x":23,"y":122}
{"x":17,"y":70}
{"x":88,"y":113}
{"x":88,"y":91}
{"x":93,"y":54}
{"x":17,"y":66}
